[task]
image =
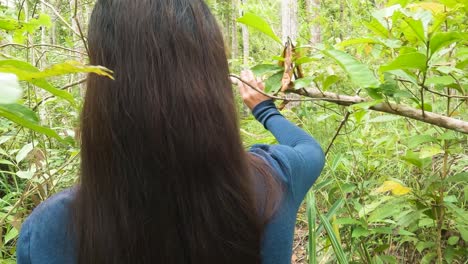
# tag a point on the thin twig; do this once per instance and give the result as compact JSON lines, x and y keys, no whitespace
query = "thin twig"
{"x":342,"y":124}
{"x":41,"y":45}
{"x":445,"y":95}
{"x":62,"y":88}
{"x":82,"y":36}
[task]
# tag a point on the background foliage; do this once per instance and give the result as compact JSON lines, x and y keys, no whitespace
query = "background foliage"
{"x":394,"y":189}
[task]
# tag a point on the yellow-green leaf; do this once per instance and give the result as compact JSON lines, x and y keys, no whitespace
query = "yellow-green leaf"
{"x":396,"y":188}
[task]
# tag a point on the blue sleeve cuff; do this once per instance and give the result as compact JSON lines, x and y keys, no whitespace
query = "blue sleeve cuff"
{"x":264,"y":110}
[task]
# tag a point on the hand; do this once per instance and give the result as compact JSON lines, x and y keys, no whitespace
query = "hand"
{"x":250,"y":96}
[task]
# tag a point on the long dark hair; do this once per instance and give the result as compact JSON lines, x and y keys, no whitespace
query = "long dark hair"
{"x":164,"y":176}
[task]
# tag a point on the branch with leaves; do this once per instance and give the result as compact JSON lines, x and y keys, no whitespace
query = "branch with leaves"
{"x":407,"y":68}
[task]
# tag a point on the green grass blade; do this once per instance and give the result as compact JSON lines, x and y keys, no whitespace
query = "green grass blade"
{"x":311,"y":218}
{"x":340,"y":255}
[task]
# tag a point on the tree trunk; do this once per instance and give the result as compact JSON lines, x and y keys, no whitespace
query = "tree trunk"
{"x":313,"y":9}
{"x":289,"y":20}
{"x":245,"y":40}
{"x":234,"y":40}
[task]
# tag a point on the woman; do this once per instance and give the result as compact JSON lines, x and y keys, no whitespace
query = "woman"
{"x":164,"y":177}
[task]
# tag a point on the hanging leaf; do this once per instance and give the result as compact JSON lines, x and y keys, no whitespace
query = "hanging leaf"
{"x":358,"y":72}
{"x":258,"y":23}
{"x":25,"y":117}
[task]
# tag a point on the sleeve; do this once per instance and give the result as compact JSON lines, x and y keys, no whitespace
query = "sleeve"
{"x":22,"y":247}
{"x":298,"y":157}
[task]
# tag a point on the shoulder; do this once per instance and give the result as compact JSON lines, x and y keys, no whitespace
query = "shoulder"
{"x":54,"y":208}
{"x":46,"y":231}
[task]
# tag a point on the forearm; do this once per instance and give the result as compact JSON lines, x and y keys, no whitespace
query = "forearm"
{"x":284,"y":131}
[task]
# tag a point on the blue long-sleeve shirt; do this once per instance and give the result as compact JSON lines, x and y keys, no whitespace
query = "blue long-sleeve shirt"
{"x":297,"y":160}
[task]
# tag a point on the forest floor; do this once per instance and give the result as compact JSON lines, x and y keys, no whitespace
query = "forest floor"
{"x":300,"y":245}
{"x":301,"y":237}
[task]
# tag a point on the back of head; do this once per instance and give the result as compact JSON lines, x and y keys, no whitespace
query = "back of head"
{"x":164,"y":177}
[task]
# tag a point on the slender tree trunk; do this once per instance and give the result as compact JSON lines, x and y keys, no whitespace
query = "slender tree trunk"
{"x":245,"y":40}
{"x":234,"y":39}
{"x":313,"y":9}
{"x":289,"y":19}
{"x":289,"y":14}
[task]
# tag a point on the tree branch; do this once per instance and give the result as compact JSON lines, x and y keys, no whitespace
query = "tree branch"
{"x":401,"y":110}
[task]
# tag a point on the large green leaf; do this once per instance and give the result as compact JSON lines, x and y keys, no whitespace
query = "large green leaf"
{"x":28,"y":72}
{"x":442,"y":39}
{"x":24,"y":71}
{"x":358,"y":72}
{"x":412,"y":60}
{"x":416,"y":27}
{"x":258,"y":23}
{"x":27,"y":118}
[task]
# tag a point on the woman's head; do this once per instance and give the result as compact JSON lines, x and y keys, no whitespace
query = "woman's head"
{"x":164,"y":176}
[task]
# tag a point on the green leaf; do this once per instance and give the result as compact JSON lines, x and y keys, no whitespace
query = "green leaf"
{"x":413,"y":60}
{"x":383,"y":212}
{"x":404,"y":75}
{"x":339,"y":252}
{"x":414,"y":158}
{"x":23,"y":152}
{"x":25,"y":117}
{"x":24,"y":71}
{"x":355,"y":41}
{"x":358,"y":72}
{"x":304,"y":60}
{"x":329,"y":81}
{"x":303,"y":82}
{"x":442,"y":39}
{"x":417,"y":27}
{"x":460,"y":177}
{"x":20,"y":111}
{"x":311,"y":219}
{"x":365,"y":105}
{"x":27,"y":175}
{"x":273,"y":84}
{"x":431,"y":151}
{"x":258,"y":23}
{"x":417,"y":140}
{"x":453,"y":240}
{"x":263,"y":69}
{"x":359,"y":232}
{"x":348,"y":221}
{"x":375,"y":26}
{"x":13,"y":233}
{"x":440,"y":80}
